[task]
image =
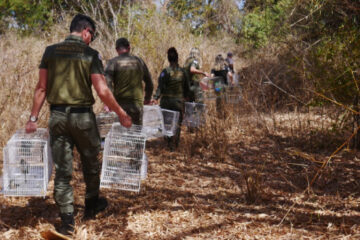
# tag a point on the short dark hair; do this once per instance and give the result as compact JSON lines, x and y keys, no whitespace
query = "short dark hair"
{"x":122,"y":43}
{"x":80,"y":22}
{"x":173,"y":56}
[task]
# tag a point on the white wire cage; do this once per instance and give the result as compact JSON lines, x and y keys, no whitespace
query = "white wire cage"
{"x":233,"y":94}
{"x":171,"y":119}
{"x":195,"y":114}
{"x":1,"y":183}
{"x":136,"y":130}
{"x":117,"y":129}
{"x":153,"y":121}
{"x":144,"y":167}
{"x":233,"y":98}
{"x":209,"y":95}
{"x":123,"y":159}
{"x":104,"y":122}
{"x":27,"y":164}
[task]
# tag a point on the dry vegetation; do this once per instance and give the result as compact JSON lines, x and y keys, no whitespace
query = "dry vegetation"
{"x":243,"y":177}
{"x":244,"y":183}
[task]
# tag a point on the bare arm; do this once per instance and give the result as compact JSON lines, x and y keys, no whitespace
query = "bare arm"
{"x":105,"y":94}
{"x":38,"y":100}
{"x":193,"y":70}
{"x":231,"y":78}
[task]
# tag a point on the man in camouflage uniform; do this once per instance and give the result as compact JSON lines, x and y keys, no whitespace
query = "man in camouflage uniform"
{"x":173,"y":87}
{"x":124,"y":75}
{"x":192,"y":68}
{"x":67,"y":71}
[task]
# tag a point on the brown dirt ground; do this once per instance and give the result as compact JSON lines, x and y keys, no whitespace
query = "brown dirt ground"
{"x":254,"y":189}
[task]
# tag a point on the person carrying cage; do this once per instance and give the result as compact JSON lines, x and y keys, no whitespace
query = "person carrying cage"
{"x":220,"y":73}
{"x":173,"y":89}
{"x":67,"y":72}
{"x":193,"y":72}
{"x":125,"y":75}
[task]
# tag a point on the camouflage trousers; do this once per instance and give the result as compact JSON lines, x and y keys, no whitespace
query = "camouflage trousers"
{"x":174,"y":104}
{"x":67,"y":130}
{"x":196,"y":94}
{"x":133,"y":109}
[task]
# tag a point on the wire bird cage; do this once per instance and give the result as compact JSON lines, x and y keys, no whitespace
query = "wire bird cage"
{"x":171,"y":119}
{"x":215,"y":88}
{"x":104,"y":122}
{"x":123,"y":158}
{"x":144,"y":167}
{"x":1,"y":183}
{"x":117,"y":128}
{"x":209,"y":95}
{"x":233,"y":98}
{"x":27,"y":164}
{"x":233,"y":95}
{"x":195,"y":114}
{"x":153,"y":121}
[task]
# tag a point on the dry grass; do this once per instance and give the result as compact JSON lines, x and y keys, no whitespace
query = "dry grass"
{"x":242,"y":177}
{"x":255,"y":190}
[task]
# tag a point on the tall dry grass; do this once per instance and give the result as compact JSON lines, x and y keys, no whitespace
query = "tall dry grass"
{"x":150,"y":37}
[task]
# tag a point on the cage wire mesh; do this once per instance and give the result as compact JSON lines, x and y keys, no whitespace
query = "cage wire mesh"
{"x":144,"y":167}
{"x":117,"y":128}
{"x":195,"y":114}
{"x":104,"y":122}
{"x":233,"y":95}
{"x":232,"y":98}
{"x":171,"y":119}
{"x":215,"y":88}
{"x":123,"y":158}
{"x":153,"y":121}
{"x":1,"y":183}
{"x":209,"y":95}
{"x":27,"y":164}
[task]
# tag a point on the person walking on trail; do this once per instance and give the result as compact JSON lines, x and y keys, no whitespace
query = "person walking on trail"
{"x":173,"y":88}
{"x":124,"y":75}
{"x":67,"y":72}
{"x":230,"y":62}
{"x":221,"y":72}
{"x":192,"y":68}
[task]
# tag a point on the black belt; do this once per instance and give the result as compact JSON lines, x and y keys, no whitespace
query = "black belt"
{"x":72,"y":109}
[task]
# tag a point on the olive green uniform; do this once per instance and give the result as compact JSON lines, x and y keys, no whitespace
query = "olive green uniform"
{"x":196,"y":93}
{"x":72,"y":121}
{"x":124,"y":75}
{"x":173,"y":87}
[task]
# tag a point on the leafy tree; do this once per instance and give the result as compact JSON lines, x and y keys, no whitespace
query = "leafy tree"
{"x":205,"y":16}
{"x":264,"y":19}
{"x":29,"y":14}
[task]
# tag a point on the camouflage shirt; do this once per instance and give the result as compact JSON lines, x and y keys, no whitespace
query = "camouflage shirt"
{"x":173,"y":83}
{"x":193,"y":78}
{"x":125,"y":74}
{"x":70,"y":65}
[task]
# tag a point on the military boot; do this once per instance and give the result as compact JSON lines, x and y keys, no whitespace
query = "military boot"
{"x":93,"y":206}
{"x":67,"y":223}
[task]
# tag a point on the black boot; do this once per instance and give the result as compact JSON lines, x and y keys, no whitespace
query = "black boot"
{"x":67,"y":224}
{"x":93,"y":206}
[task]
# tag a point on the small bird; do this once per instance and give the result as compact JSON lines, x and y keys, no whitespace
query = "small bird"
{"x":13,"y":185}
{"x":24,"y":167}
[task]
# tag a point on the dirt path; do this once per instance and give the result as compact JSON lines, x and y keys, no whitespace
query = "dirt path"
{"x":251,"y":187}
